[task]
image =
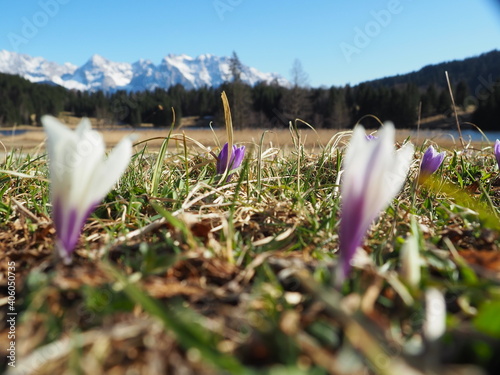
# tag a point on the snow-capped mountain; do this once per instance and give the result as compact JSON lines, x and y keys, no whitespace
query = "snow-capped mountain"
{"x":98,"y":73}
{"x":35,"y":69}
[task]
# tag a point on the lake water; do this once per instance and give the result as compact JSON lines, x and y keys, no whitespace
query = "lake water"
{"x":467,"y":134}
{"x":12,"y":132}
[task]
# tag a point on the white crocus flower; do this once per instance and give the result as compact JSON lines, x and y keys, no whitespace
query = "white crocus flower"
{"x":373,"y":174}
{"x":435,"y":314}
{"x":80,"y":176}
{"x":410,"y":261}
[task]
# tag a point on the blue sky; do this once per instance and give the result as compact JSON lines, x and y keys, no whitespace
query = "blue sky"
{"x":336,"y":41}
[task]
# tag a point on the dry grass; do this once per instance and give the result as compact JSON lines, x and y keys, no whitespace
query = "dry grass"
{"x":34,"y":137}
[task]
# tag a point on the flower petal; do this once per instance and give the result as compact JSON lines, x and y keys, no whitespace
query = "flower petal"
{"x":222,"y":159}
{"x":59,"y":139}
{"x":435,"y":314}
{"x":497,"y":151}
{"x":111,"y":170}
{"x":83,"y":127}
{"x":237,"y":157}
{"x":431,"y":161}
{"x":373,"y":174}
{"x":86,"y":162}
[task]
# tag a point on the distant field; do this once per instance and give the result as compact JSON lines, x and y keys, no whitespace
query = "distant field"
{"x":33,"y":138}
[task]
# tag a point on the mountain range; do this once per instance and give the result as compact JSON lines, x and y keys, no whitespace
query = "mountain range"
{"x":99,"y":73}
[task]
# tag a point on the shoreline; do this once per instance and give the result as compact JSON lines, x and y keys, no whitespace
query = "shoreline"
{"x":29,"y":138}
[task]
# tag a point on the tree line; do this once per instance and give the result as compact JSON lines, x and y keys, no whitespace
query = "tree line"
{"x":264,"y":105}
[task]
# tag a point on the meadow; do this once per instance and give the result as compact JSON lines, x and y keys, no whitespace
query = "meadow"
{"x":178,"y":271}
{"x":32,"y":138}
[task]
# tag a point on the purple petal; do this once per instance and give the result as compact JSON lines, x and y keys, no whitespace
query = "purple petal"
{"x":351,"y":232}
{"x":222,"y":159}
{"x":497,"y":151}
{"x":237,"y":155}
{"x":57,"y":215}
{"x":431,"y":161}
{"x":355,"y":218}
{"x":236,"y":159}
{"x":69,"y":236}
{"x":69,"y":223}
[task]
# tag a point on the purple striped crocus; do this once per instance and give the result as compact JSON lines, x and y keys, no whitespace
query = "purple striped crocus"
{"x":431,"y":161}
{"x":237,"y":155}
{"x":373,"y":174}
{"x":496,"y":149}
{"x":80,"y":176}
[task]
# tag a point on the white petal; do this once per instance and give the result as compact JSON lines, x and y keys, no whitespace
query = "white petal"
{"x":111,"y":169}
{"x":357,"y":142}
{"x":410,"y":261}
{"x":60,"y":142}
{"x":402,"y":163}
{"x":86,"y":160}
{"x":355,"y":163}
{"x":391,"y":169}
{"x":58,"y":135}
{"x":56,"y":131}
{"x":83,"y":127}
{"x":376,"y":180}
{"x":374,"y":170}
{"x":435,"y":314}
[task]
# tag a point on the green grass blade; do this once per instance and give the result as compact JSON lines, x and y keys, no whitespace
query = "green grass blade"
{"x":155,"y":181}
{"x":188,"y":333}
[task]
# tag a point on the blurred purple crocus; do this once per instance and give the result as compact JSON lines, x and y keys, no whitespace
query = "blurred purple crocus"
{"x":431,"y":161}
{"x":373,"y":174}
{"x":496,"y":148}
{"x":237,"y":156}
{"x":80,"y":176}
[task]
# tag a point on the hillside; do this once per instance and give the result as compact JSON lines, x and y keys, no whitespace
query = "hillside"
{"x":473,"y":71}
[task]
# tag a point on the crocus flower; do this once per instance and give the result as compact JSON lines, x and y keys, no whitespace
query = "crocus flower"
{"x":373,"y":174}
{"x":435,"y":314}
{"x":497,"y":151}
{"x":80,"y":176}
{"x":431,"y":161}
{"x":236,"y":158}
{"x":410,"y":261}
